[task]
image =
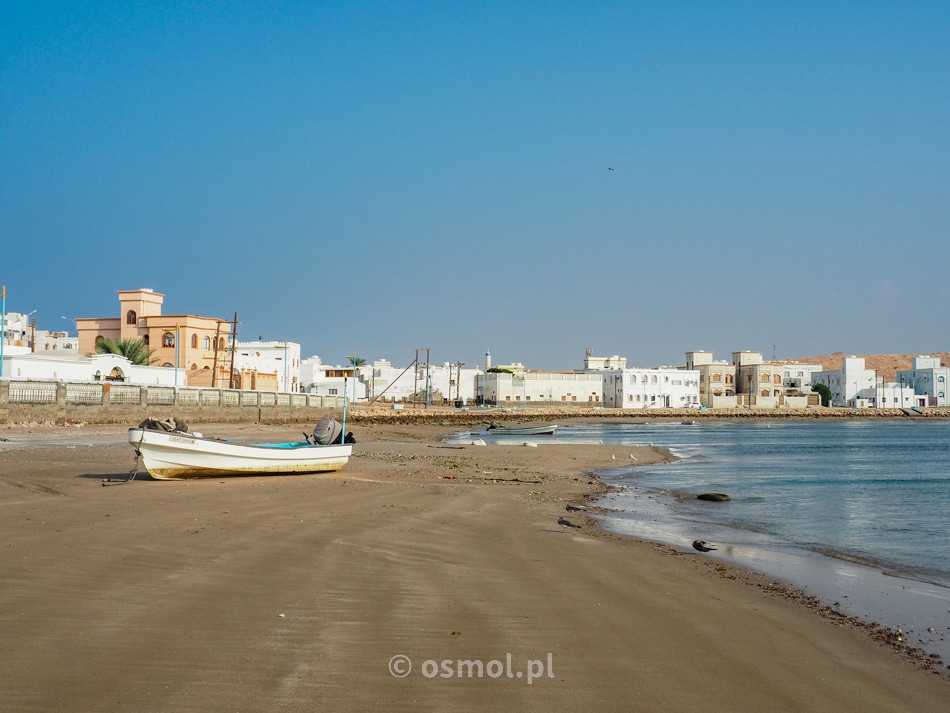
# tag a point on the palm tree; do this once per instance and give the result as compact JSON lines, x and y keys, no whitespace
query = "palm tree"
{"x":356,"y":361}
{"x":135,"y":350}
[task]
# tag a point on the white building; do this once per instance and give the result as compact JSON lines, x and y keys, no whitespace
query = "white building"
{"x":611,"y":363}
{"x":663,"y":387}
{"x":281,"y":359}
{"x":895,"y":395}
{"x":66,"y":366}
{"x":389,"y":384}
{"x":325,"y":380}
{"x":44,"y":341}
{"x":929,"y":380}
{"x":797,"y":378}
{"x":437,"y":384}
{"x":514,"y":386}
{"x":452,"y":383}
{"x":852,"y":385}
{"x":20,"y":336}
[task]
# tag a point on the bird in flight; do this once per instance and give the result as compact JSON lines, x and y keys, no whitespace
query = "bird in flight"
{"x":609,"y":168}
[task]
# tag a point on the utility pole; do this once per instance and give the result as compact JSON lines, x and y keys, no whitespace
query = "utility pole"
{"x":214,"y":370}
{"x":415,"y":378}
{"x":233,"y":348}
{"x":428,"y":381}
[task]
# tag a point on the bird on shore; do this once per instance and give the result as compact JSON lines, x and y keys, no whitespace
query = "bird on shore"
{"x":564,"y":522}
{"x":575,"y":508}
{"x":702,"y":546}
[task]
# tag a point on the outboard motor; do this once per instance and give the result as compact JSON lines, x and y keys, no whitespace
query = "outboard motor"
{"x":325,"y":432}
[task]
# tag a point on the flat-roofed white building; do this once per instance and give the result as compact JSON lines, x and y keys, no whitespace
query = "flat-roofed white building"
{"x":325,"y":380}
{"x":439,"y":384}
{"x":929,"y":380}
{"x":523,"y":387}
{"x":796,"y":377}
{"x":68,"y":365}
{"x":276,"y":365}
{"x":644,"y":388}
{"x":852,"y":385}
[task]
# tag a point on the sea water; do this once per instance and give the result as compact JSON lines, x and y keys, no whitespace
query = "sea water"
{"x":856,"y":512}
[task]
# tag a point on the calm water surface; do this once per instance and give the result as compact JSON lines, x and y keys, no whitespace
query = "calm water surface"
{"x":853,"y":511}
{"x":875,"y":492}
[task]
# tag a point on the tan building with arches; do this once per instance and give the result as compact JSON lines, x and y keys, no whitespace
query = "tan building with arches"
{"x":198,"y":346}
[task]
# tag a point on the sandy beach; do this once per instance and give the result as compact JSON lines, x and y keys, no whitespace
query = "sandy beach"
{"x":390,"y":585}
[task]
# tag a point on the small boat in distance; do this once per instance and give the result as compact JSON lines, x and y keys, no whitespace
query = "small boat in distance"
{"x":177,"y":454}
{"x":495,"y":428}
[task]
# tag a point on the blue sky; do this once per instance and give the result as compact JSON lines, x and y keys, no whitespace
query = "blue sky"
{"x":374,"y":177}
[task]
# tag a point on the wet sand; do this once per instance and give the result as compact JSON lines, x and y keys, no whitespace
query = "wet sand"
{"x":300,"y":593}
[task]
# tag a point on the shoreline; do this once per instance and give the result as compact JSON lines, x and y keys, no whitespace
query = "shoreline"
{"x":904,"y":613}
{"x":252,"y":593}
{"x":31,"y":416}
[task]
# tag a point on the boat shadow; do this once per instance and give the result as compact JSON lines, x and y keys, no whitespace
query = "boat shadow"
{"x":118,"y":477}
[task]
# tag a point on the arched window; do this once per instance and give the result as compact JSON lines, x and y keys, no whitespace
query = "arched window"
{"x":207,"y":343}
{"x":168,"y":365}
{"x":728,"y":378}
{"x":99,"y":340}
{"x":764,"y":392}
{"x":221,"y":344}
{"x":145,"y":339}
{"x":194,"y":367}
{"x":131,"y":317}
{"x":194,"y":341}
{"x":717,"y":377}
{"x":778,"y":379}
{"x":168,"y":339}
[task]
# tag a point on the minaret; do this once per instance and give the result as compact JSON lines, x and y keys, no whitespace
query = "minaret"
{"x":487,"y":361}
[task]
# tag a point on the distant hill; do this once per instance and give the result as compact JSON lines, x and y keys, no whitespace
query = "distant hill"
{"x":885,"y":365}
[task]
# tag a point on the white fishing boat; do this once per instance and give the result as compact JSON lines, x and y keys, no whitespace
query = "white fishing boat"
{"x":168,"y":455}
{"x":497,"y":429}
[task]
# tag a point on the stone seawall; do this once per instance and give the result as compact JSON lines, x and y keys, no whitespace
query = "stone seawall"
{"x":27,"y":414}
{"x":480,"y":417}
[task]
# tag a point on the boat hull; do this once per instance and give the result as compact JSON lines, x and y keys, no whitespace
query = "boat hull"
{"x":545,"y":430}
{"x":171,"y":455}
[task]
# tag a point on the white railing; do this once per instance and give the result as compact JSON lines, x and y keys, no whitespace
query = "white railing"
{"x":33,"y":392}
{"x":39,"y":392}
{"x":125,"y":394}
{"x":83,"y":393}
